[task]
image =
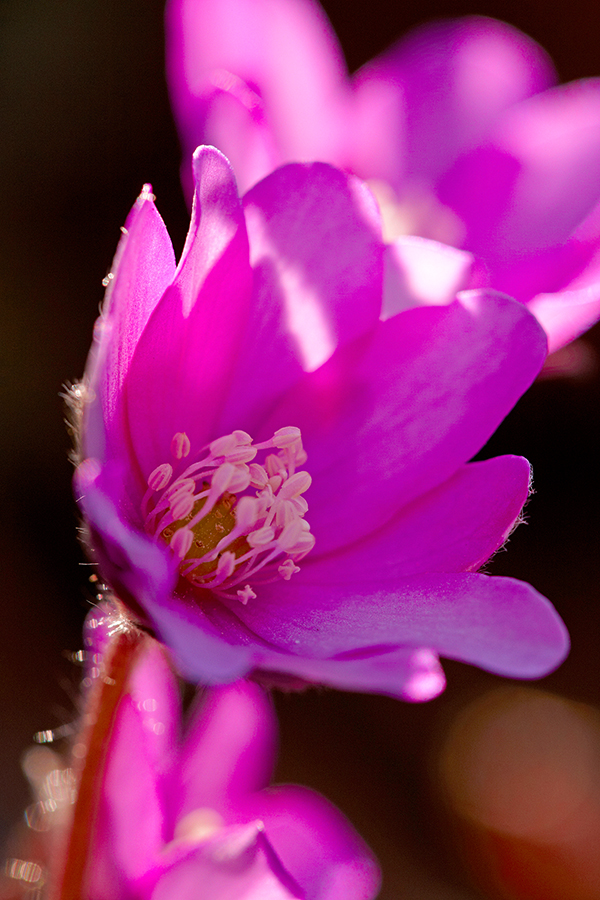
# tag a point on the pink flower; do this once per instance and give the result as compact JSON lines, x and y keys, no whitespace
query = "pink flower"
{"x":276,"y":469}
{"x":191,"y":816}
{"x":459,"y":128}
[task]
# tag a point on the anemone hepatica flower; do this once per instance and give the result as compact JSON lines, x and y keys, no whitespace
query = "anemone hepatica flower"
{"x":275,"y":467}
{"x":192,"y":817}
{"x":459,"y":128}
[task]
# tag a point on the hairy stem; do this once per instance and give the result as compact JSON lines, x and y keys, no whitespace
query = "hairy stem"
{"x":89,"y":756}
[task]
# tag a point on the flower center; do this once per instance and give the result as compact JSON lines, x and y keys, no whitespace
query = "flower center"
{"x":417,"y":212}
{"x":198,"y":825}
{"x":227,"y":517}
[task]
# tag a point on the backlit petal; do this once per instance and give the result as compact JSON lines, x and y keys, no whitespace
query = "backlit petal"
{"x":391,"y":417}
{"x":184,"y":359}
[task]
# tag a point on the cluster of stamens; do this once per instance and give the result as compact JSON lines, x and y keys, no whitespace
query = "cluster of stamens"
{"x":227,"y":517}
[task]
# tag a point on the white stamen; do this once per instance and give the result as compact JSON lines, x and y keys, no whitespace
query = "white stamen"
{"x":181,"y":486}
{"x":182,"y":541}
{"x":226,"y":565}
{"x":233,"y":535}
{"x":182,"y":505}
{"x":223,"y":445}
{"x":240,"y":479}
{"x":261,"y":537}
{"x":274,"y":464}
{"x":242,"y":437}
{"x":290,"y":535}
{"x":222,"y":478}
{"x":286,"y":513}
{"x":247,"y":512}
{"x":300,"y":504}
{"x":160,"y":477}
{"x":296,"y":485}
{"x":258,"y":476}
{"x":242,"y":454}
{"x":285,"y":437}
{"x":180,"y":445}
{"x":275,"y":482}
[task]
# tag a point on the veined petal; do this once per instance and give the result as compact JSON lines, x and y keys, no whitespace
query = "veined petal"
{"x":499,"y":624}
{"x":199,"y":647}
{"x":184,"y":360}
{"x":455,"y":527}
{"x":453,"y":79}
{"x":395,"y":415}
{"x":317,"y":253}
{"x":316,"y":843}
{"x":143,"y":267}
{"x":329,"y":238}
{"x":410,"y":673}
{"x":278,"y":58}
{"x":229,"y":750}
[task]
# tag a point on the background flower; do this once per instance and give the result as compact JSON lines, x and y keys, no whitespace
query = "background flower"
{"x":458,"y":127}
{"x":181,"y":813}
{"x":390,"y":412}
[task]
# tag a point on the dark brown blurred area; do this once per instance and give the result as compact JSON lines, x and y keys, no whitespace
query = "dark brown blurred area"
{"x":85,"y":122}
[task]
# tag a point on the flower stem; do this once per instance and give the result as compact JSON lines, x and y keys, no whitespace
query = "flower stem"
{"x":89,"y":755}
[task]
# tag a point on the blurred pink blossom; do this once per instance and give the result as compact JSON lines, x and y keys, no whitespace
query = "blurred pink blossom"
{"x":190,"y":817}
{"x":458,"y":127}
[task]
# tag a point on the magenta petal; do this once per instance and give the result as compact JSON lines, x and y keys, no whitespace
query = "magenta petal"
{"x":129,"y":795}
{"x":567,"y":314}
{"x":412,"y":675}
{"x":320,"y":230}
{"x":184,"y":359}
{"x":143,"y":267}
{"x":456,"y":527}
{"x":454,"y":79}
{"x":136,"y":567}
{"x":155,"y":693}
{"x":419,"y":272}
{"x":143,"y":574}
{"x":499,"y":624}
{"x":555,"y":137}
{"x":201,"y":653}
{"x":286,"y":50}
{"x":316,"y":844}
{"x":479,"y":189}
{"x":391,"y":417}
{"x":377,"y":135}
{"x":229,"y":749}
{"x":237,"y":864}
{"x":235,"y":121}
{"x":315,"y":242}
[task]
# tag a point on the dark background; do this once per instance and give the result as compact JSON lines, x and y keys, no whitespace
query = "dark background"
{"x":85,"y":121}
